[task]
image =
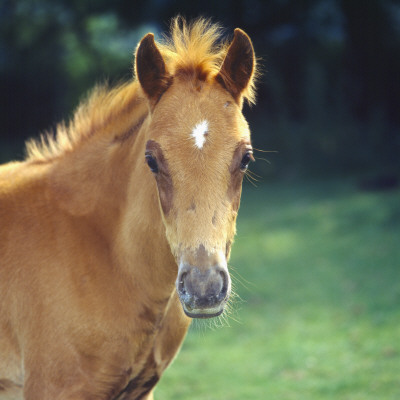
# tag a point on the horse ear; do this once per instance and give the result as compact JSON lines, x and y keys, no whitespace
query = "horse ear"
{"x":238,"y":66}
{"x":151,"y":70}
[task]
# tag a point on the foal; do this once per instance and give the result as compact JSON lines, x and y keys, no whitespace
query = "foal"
{"x":117,"y":232}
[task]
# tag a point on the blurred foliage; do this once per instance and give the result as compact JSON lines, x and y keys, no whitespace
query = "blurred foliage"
{"x":328,"y":98}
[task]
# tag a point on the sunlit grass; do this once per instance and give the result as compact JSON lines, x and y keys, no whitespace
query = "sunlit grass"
{"x":317,"y":267}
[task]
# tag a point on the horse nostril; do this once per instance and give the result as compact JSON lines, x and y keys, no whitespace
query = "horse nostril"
{"x":181,"y":283}
{"x":224,"y":289}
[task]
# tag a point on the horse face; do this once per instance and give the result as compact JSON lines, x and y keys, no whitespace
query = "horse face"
{"x":198,"y":151}
{"x":198,"y":159}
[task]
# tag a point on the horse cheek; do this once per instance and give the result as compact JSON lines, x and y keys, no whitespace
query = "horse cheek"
{"x":165,"y":191}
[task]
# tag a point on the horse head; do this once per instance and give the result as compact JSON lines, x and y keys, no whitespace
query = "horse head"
{"x":198,"y":149}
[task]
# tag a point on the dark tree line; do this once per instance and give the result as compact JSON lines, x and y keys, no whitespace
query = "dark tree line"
{"x":328,"y":98}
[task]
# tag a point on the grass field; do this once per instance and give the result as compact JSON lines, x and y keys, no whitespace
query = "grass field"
{"x":317,"y":268}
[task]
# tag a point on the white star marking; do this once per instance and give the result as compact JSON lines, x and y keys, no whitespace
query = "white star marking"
{"x":199,"y":133}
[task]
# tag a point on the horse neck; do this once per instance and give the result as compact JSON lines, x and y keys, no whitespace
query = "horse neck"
{"x":105,"y":181}
{"x":128,"y":211}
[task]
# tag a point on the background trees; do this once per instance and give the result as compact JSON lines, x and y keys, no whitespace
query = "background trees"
{"x":328,"y":99}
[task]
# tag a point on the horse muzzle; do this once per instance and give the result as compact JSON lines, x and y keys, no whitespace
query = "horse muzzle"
{"x":203,"y":287}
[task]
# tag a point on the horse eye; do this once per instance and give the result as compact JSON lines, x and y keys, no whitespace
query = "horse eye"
{"x":246,"y":160}
{"x":152,"y":163}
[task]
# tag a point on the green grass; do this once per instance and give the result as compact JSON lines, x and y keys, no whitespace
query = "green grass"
{"x":317,"y":267}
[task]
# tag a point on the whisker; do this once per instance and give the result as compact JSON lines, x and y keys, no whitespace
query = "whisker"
{"x":263,"y":159}
{"x":249,"y":179}
{"x":240,"y":278}
{"x":232,"y":309}
{"x":198,"y":326}
{"x":253,"y":175}
{"x":266,"y":151}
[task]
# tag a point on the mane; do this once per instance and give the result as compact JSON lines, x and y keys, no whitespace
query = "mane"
{"x":195,"y":49}
{"x":198,"y":49}
{"x":94,"y":115}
